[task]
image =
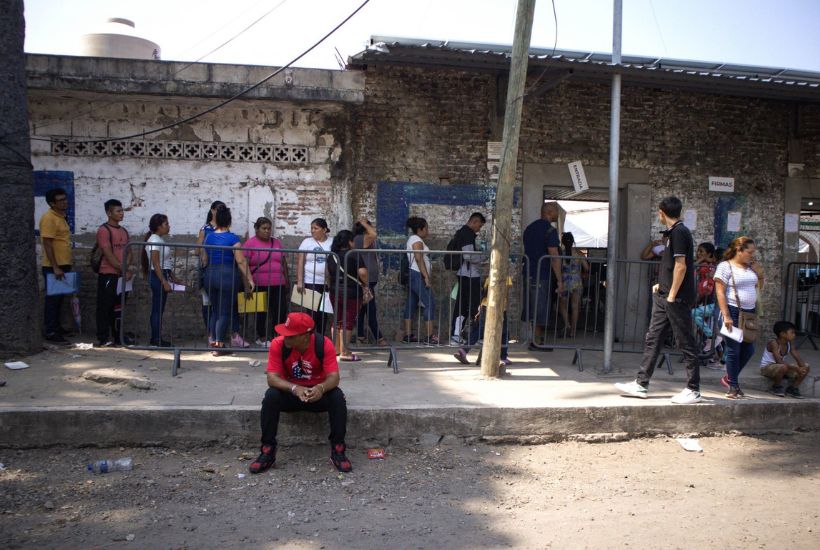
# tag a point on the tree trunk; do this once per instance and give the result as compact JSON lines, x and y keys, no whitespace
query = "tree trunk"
{"x":21,"y":310}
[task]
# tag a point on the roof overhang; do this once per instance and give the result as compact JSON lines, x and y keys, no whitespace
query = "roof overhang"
{"x":695,"y":76}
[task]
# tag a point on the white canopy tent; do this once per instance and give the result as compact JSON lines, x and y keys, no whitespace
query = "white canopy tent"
{"x":587,"y":221}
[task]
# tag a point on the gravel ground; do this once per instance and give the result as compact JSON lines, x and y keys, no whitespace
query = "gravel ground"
{"x":742,"y":492}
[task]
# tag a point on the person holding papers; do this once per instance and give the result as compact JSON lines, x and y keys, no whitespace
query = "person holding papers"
{"x":55,"y":235}
{"x":737,"y":279}
{"x":157,"y":265}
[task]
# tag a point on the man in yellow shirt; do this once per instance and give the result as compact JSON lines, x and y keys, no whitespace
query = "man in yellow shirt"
{"x":55,"y":236}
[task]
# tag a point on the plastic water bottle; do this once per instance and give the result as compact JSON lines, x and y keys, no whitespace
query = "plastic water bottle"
{"x":105,"y":466}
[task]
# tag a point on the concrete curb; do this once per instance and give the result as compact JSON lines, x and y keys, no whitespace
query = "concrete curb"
{"x":191,"y":426}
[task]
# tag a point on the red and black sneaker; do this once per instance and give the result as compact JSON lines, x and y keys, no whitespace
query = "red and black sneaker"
{"x":265,"y":460}
{"x":338,"y":458}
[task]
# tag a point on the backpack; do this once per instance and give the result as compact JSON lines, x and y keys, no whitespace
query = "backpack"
{"x":318,"y":348}
{"x":95,"y":260}
{"x":452,"y":262}
{"x":404,"y":270}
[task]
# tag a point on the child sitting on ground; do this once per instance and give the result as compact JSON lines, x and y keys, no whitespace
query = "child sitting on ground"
{"x":773,"y":364}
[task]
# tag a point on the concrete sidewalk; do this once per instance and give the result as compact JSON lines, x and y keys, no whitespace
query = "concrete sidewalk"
{"x":542,"y":397}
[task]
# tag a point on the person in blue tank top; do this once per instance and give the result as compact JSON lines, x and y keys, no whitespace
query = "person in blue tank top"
{"x":226,"y":272}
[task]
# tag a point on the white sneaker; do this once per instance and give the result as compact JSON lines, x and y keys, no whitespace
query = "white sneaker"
{"x":632,"y":388}
{"x":263,"y":343}
{"x":687,"y":397}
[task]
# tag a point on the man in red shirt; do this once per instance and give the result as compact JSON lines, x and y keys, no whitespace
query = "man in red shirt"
{"x":302,"y":382}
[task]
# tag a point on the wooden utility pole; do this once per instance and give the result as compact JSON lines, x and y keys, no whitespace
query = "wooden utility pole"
{"x":502,"y":220}
{"x":18,"y":275}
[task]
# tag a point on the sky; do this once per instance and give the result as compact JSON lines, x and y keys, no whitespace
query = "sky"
{"x":770,"y":33}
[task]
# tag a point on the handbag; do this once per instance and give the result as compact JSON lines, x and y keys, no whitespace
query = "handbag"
{"x":255,"y":302}
{"x":746,"y":320}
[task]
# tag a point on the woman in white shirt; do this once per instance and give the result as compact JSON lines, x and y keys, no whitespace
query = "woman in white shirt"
{"x":420,"y":288}
{"x":158,"y":265}
{"x":311,"y":267}
{"x":737,"y":279}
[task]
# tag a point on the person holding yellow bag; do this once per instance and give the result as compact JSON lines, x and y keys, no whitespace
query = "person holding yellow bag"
{"x":269,"y":269}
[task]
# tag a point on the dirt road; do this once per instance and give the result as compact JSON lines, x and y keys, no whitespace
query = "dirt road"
{"x":742,"y":492}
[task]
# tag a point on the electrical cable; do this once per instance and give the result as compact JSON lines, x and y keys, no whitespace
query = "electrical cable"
{"x":220,"y":29}
{"x":230,"y":99}
{"x":234,"y":37}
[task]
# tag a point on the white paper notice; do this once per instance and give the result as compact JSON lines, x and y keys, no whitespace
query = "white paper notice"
{"x":690,"y":219}
{"x":733,"y":224}
{"x":792,"y":223}
{"x":129,"y":285}
{"x":177,"y":288}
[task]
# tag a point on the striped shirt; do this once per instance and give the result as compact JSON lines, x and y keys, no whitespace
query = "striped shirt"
{"x":746,"y":280}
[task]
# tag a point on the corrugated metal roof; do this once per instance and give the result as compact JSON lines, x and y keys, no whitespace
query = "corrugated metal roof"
{"x":703,"y":76}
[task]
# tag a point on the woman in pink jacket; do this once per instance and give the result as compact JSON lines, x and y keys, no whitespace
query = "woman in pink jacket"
{"x":270,"y":273}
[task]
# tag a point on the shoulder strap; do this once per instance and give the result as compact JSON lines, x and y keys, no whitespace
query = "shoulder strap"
{"x":255,"y":269}
{"x":319,"y":346}
{"x":734,"y":284}
{"x":285,"y":353}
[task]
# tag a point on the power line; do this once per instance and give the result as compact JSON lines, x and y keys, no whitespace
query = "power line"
{"x":234,"y":37}
{"x":658,"y":27}
{"x":230,"y":99}
{"x":220,"y":29}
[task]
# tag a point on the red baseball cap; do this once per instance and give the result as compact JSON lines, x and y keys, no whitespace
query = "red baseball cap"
{"x":296,"y":323}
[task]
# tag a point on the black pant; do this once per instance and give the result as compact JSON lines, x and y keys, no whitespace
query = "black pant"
{"x":677,"y":317}
{"x":52,"y":305}
{"x":277,"y":306}
{"x":106,"y":302}
{"x":369,"y":314}
{"x":321,"y":319}
{"x":277,"y":401}
{"x":468,"y":301}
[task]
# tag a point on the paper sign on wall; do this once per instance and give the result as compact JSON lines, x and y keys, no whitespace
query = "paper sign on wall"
{"x":792,"y":224}
{"x":733,"y":223}
{"x":725,"y":185}
{"x":690,"y":219}
{"x":579,"y":179}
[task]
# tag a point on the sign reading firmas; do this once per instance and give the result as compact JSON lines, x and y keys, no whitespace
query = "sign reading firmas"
{"x":725,"y":185}
{"x":579,"y":179}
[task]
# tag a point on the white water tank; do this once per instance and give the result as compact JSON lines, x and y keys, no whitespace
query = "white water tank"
{"x":118,"y":38}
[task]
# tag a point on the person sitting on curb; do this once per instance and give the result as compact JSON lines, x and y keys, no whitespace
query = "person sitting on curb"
{"x":303,"y":375}
{"x":773,"y":364}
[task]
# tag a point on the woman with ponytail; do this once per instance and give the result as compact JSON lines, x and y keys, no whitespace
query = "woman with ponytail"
{"x":157,"y":265}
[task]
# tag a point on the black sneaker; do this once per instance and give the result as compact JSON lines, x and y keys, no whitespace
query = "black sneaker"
{"x":161,"y":344}
{"x":793,"y":391}
{"x":265,"y":460}
{"x":338,"y":458}
{"x":409,"y":339}
{"x":778,"y":391}
{"x":56,"y":338}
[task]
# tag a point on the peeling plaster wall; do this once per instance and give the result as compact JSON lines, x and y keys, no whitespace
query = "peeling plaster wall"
{"x":292,"y":194}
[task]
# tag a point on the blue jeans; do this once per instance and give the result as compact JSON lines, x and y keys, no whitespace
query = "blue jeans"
{"x":222,"y":282}
{"x":159,"y":297}
{"x":418,"y":293}
{"x":478,"y":328}
{"x":737,"y":353}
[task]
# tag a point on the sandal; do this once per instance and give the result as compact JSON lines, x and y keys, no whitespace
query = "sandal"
{"x":352,"y":358}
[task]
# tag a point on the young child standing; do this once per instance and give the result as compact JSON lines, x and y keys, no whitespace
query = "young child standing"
{"x":773,"y":364}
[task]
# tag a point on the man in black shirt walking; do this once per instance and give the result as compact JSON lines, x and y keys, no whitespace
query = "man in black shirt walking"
{"x":672,"y":301}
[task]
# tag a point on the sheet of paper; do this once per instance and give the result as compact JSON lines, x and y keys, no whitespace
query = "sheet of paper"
{"x":690,"y":444}
{"x":733,"y":223}
{"x":792,"y":224}
{"x":177,"y":288}
{"x":16,"y":365}
{"x":736,"y":334}
{"x":690,"y":219}
{"x":129,"y":285}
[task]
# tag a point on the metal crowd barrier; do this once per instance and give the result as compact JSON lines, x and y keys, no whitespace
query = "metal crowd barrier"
{"x":801,"y":300}
{"x":403,"y":325}
{"x":575,"y":319}
{"x":202,"y":294}
{"x":535,"y":311}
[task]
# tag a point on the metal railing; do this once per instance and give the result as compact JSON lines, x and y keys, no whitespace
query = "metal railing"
{"x":801,"y":299}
